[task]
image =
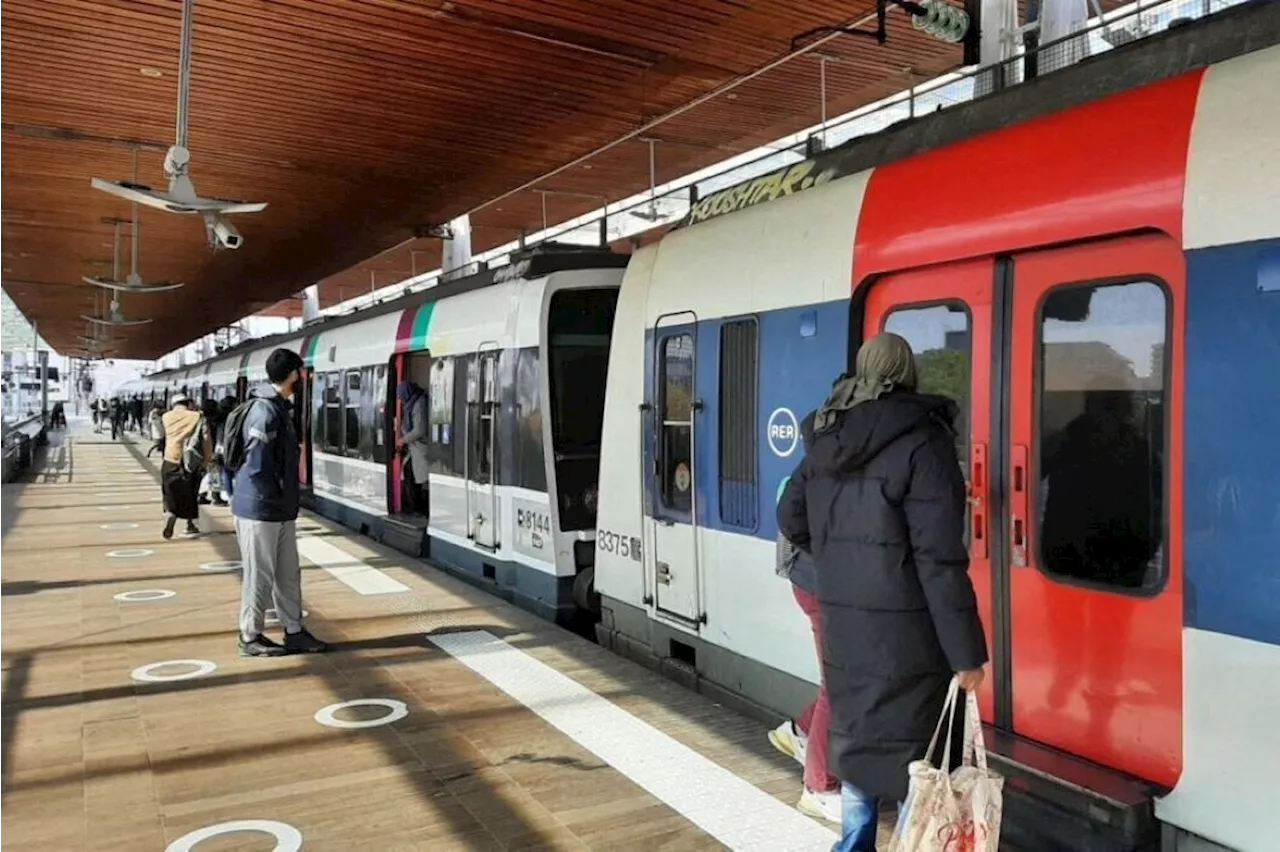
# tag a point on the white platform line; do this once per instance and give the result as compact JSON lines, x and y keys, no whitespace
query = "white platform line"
{"x":736,"y":813}
{"x":348,"y":569}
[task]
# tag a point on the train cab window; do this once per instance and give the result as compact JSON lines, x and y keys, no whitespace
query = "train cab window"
{"x":1101,"y":421}
{"x":333,"y":416}
{"x":739,"y":376}
{"x":379,"y":424}
{"x":675,"y":408}
{"x":940,"y":338}
{"x":351,"y":406}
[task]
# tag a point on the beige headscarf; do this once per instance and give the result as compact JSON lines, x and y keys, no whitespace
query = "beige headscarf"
{"x":884,"y":362}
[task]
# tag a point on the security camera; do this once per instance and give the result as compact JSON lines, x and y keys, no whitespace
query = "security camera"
{"x":221,"y":233}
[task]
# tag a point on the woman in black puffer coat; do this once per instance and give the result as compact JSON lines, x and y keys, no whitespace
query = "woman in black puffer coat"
{"x":879,"y":500}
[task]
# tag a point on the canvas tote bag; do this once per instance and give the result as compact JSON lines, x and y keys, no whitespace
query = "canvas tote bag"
{"x":952,"y":811}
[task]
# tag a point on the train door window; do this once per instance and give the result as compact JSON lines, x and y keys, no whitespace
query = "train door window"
{"x":1101,"y":415}
{"x":484,"y":372}
{"x":675,"y":382}
{"x":940,"y":335}
{"x":379,"y":405}
{"x":441,"y":400}
{"x":739,"y":375}
{"x":319,"y":384}
{"x":351,"y":407}
{"x":333,"y":415}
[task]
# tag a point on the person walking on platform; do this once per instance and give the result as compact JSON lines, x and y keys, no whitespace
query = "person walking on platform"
{"x":178,"y":479}
{"x":261,"y":464}
{"x":156,"y":424}
{"x":804,"y":738}
{"x":879,"y":499}
{"x":211,"y":485}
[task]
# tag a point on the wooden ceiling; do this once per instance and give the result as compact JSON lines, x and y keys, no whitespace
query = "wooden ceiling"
{"x":362,"y":122}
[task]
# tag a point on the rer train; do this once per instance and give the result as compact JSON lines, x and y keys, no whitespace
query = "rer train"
{"x":1098,"y":281}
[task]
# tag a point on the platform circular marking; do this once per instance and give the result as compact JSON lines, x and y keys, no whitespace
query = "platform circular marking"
{"x":146,"y":595}
{"x":782,"y":432}
{"x":270,"y":616}
{"x":288,"y":838}
{"x":143,"y":674}
{"x":130,"y":553}
{"x":118,"y":527}
{"x":327,"y":716}
{"x":228,"y":565}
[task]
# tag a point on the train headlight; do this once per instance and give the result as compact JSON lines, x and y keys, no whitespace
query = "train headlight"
{"x":589,"y":498}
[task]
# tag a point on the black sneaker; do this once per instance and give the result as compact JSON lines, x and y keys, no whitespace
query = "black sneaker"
{"x":221,"y":502}
{"x":261,"y":646}
{"x":169,"y":525}
{"x":192,"y":529}
{"x":303,"y":642}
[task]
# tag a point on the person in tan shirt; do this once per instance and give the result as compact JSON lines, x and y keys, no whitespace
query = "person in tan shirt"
{"x":178,"y":485}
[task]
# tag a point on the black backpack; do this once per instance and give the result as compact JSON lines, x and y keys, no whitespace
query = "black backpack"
{"x":233,"y":442}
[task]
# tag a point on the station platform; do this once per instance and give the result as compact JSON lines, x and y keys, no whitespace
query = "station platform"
{"x":130,"y":722}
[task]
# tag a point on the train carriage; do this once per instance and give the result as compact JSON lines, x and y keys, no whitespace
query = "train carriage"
{"x":1103,"y":277}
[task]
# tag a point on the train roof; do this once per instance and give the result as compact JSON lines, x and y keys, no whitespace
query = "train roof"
{"x":536,"y":262}
{"x":1227,"y":34}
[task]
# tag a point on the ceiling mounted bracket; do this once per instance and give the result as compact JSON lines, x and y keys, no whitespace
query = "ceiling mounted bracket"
{"x":434,"y":232}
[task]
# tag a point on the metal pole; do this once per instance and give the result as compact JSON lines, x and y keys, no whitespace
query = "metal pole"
{"x":44,"y":385}
{"x":184,"y":72}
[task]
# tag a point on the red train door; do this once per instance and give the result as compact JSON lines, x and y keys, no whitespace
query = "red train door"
{"x":945,"y":313}
{"x":1095,"y":585}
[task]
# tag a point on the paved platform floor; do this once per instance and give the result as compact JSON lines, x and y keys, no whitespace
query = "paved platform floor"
{"x":506,"y":732}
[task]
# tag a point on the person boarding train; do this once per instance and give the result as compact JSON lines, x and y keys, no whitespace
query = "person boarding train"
{"x":879,"y":500}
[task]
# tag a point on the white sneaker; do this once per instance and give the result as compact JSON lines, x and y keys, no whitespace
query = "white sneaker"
{"x":788,"y":740}
{"x":823,"y":805}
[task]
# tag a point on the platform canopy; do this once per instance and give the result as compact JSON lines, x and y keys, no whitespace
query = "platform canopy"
{"x":362,"y":124}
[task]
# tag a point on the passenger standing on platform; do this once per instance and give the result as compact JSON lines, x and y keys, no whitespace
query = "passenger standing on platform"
{"x":156,"y":424}
{"x":177,"y":483}
{"x":880,"y":500}
{"x":805,"y":737}
{"x":262,"y":477}
{"x":414,"y":424}
{"x":117,"y":417}
{"x":211,"y":484}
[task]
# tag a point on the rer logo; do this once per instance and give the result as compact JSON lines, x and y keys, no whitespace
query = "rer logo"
{"x":783,"y":432}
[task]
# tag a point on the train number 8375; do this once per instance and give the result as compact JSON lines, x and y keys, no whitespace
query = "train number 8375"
{"x":626,"y":546}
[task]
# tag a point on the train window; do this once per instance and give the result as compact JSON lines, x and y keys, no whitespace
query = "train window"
{"x":351,"y":405}
{"x":1101,"y":418}
{"x":676,"y":410}
{"x":739,"y":373}
{"x":441,"y":400}
{"x":333,"y":439}
{"x":319,"y":381}
{"x":940,"y":338}
{"x":379,"y":424}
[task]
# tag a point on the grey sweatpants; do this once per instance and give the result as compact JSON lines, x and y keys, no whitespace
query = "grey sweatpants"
{"x":271,"y":574}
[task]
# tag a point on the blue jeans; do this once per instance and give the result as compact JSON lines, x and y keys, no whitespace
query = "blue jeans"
{"x":859,"y":817}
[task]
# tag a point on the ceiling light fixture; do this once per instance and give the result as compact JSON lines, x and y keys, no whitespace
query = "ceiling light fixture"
{"x":150,"y":72}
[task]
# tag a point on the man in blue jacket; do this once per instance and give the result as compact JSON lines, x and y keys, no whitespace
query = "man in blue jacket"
{"x":264,"y":501}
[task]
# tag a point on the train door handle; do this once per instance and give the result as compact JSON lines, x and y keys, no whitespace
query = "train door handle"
{"x":978,"y":547}
{"x":1018,"y":506}
{"x":663,"y":573}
